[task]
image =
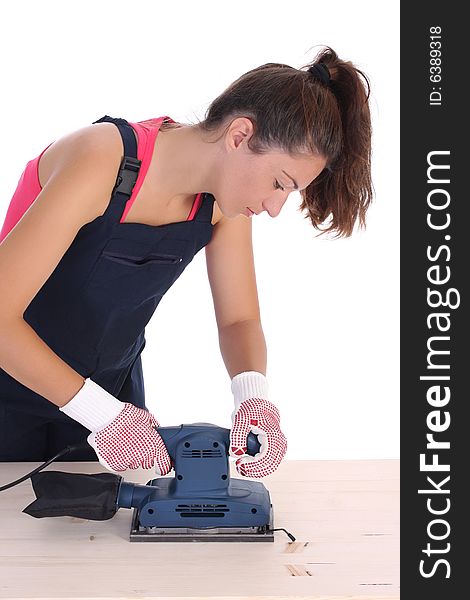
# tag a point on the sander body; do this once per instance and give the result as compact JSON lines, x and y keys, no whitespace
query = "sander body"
{"x":201,"y":502}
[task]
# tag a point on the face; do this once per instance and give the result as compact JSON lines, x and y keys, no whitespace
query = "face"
{"x":260,"y":182}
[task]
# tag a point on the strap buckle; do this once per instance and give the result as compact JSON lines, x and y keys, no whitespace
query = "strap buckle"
{"x":127,"y":176}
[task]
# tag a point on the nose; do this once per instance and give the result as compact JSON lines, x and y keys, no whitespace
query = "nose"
{"x":274,"y":205}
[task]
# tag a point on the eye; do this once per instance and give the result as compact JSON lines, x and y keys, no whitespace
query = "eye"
{"x":277,"y":185}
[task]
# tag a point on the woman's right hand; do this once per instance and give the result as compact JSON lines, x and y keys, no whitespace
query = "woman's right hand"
{"x":122,"y":435}
{"x":130,"y":441}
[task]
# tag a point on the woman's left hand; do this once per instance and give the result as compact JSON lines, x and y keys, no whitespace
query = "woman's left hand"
{"x":261,"y":417}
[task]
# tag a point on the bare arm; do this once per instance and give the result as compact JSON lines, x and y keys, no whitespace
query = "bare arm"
{"x":67,"y":201}
{"x":29,"y":360}
{"x":231,"y":271}
{"x":243,"y":347}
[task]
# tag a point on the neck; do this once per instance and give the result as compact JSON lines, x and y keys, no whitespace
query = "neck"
{"x":183,"y":164}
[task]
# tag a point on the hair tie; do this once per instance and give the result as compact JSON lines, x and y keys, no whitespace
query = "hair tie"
{"x":320,"y":71}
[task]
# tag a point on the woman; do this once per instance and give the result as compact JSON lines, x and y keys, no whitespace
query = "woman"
{"x":85,"y":257}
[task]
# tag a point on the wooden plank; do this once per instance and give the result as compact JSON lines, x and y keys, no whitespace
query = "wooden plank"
{"x":344,"y":514}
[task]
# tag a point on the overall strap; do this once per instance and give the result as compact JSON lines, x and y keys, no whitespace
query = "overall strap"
{"x":128,"y":170}
{"x":204,"y":214}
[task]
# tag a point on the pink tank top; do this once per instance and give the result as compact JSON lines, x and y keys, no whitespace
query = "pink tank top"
{"x":28,"y":187}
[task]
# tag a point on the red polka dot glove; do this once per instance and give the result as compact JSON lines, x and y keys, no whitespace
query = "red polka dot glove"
{"x":253,"y":412}
{"x":122,"y":435}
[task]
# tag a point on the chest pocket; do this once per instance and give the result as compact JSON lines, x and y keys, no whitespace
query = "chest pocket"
{"x":137,"y":261}
{"x":130,"y":271}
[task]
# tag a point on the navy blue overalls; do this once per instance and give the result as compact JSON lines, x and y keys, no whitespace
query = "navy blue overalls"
{"x":93,"y":309}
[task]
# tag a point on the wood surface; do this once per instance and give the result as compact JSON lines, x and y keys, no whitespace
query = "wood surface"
{"x":343,"y":514}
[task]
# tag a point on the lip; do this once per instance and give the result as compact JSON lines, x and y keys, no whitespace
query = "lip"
{"x":249,"y":212}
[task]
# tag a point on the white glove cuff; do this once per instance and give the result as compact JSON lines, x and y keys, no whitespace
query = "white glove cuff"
{"x":93,"y":406}
{"x":249,"y":384}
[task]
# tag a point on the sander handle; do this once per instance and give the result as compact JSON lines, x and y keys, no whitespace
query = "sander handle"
{"x":172,"y":435}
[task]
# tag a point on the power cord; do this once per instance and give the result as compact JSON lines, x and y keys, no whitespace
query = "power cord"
{"x":44,"y":465}
{"x":282,"y":529}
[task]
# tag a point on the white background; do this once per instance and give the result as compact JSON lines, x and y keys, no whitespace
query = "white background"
{"x":329,"y":308}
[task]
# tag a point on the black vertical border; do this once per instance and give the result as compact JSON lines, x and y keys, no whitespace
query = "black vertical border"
{"x":425,"y":129}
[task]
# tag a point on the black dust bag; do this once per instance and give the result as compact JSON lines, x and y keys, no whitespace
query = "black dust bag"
{"x":74,"y":495}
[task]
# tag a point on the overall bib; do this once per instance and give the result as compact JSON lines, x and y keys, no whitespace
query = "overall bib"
{"x":93,"y":309}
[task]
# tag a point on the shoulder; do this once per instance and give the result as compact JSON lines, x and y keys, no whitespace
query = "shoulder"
{"x":101,"y":141}
{"x":230,"y":233}
{"x":96,"y":149}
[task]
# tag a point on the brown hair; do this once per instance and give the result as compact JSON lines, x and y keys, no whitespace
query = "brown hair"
{"x":294,"y":112}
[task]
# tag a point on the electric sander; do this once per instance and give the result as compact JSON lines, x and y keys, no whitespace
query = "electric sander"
{"x":200,"y":503}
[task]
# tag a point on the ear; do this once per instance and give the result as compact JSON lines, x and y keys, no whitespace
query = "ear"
{"x":240,"y":130}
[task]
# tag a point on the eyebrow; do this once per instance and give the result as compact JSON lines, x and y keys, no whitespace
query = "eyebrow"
{"x":294,"y":181}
